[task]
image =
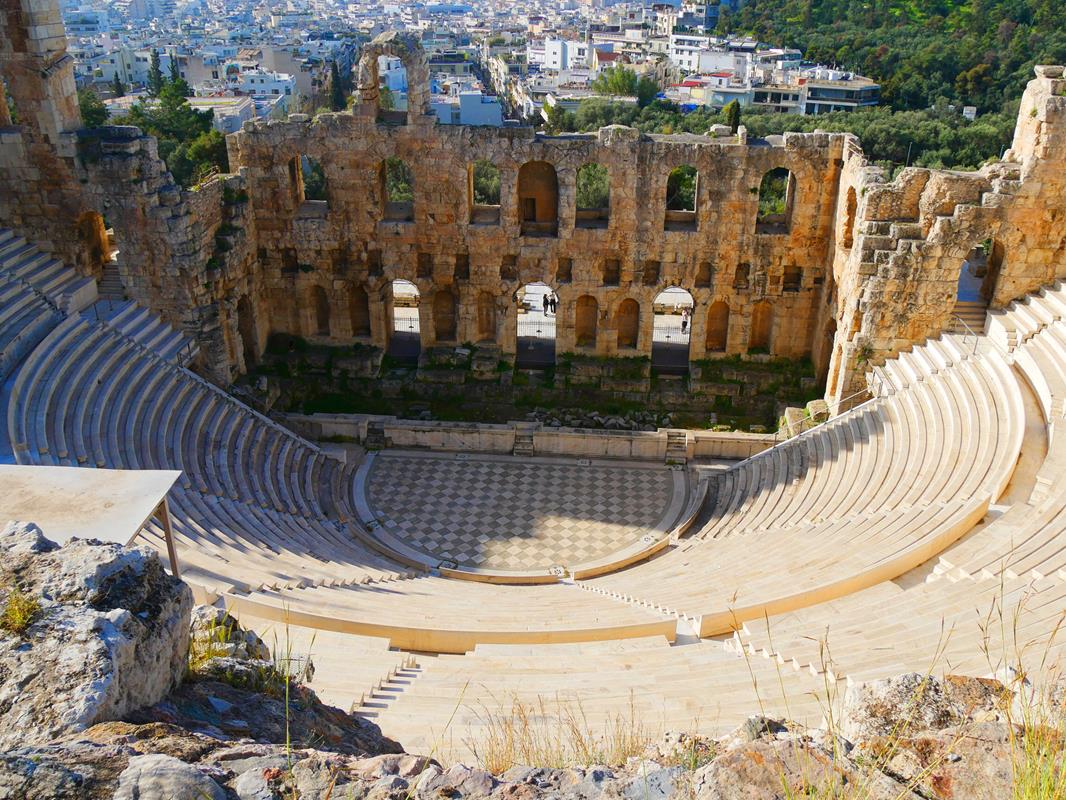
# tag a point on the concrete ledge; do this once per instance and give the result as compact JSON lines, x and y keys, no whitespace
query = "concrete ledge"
{"x":500,"y":438}
{"x":445,"y":640}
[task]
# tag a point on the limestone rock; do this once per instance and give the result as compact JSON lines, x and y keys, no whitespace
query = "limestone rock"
{"x":158,"y":777}
{"x":913,"y":702}
{"x":215,"y":629}
{"x":111,"y":635}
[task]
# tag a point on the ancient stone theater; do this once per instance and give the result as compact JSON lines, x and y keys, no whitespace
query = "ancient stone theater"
{"x":442,"y":570}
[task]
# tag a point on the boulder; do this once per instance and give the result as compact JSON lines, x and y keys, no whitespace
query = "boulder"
{"x":158,"y":777}
{"x":111,"y":635}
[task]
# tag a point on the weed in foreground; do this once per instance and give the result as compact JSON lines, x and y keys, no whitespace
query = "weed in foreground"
{"x":20,"y":610}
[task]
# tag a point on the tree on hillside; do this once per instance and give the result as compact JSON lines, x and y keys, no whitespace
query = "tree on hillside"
{"x":118,"y":88}
{"x":155,"y":75}
{"x":732,"y":115}
{"x":93,"y":111}
{"x":336,"y":88}
{"x":623,"y":82}
{"x":175,"y":70}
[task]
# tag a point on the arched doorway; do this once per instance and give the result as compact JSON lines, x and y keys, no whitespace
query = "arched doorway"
{"x":444,"y":316}
{"x":717,"y":339}
{"x":246,"y":330}
{"x":671,"y":330}
{"x":762,"y":323}
{"x":359,"y":311}
{"x":586,"y":321}
{"x":972,"y":291}
{"x":405,"y":335}
{"x":320,"y":305}
{"x":536,"y":327}
{"x":627,"y":323}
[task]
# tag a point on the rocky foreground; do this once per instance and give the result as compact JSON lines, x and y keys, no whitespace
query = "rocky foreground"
{"x":101,"y":697}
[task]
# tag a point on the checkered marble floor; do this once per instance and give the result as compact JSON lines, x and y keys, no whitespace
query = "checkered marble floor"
{"x":511,"y":514}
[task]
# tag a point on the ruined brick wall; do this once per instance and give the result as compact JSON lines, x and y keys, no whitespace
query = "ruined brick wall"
{"x":350,"y":246}
{"x":898,"y":284}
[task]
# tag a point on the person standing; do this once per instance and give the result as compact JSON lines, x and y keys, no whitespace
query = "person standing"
{"x":684,"y":320}
{"x":545,"y":303}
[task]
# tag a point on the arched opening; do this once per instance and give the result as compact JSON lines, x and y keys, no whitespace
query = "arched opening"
{"x":538,"y":199}
{"x":586,"y":320}
{"x":537,"y":304}
{"x":486,"y":317}
{"x":320,"y":305}
{"x":392,"y":90}
{"x":994,"y":267}
{"x":314,"y":180}
{"x":775,"y":202}
{"x":247,"y":331}
{"x":627,"y":323}
{"x":704,"y":275}
{"x":762,"y":321}
{"x":671,"y":331}
{"x":307,"y":186}
{"x":848,"y":234}
{"x":405,"y":333}
{"x":359,"y":311}
{"x":717,"y":340}
{"x":95,"y":244}
{"x":484,"y":177}
{"x":397,"y":190}
{"x":682,"y":193}
{"x":444,"y":316}
{"x":593,"y":196}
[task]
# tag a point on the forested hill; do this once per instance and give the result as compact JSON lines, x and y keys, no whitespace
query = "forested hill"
{"x":970,"y":52}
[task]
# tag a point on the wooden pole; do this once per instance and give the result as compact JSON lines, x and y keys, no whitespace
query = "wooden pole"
{"x":164,"y":517}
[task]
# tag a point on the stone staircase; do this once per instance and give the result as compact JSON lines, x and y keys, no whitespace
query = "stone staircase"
{"x":677,"y":447}
{"x":110,"y":285}
{"x":375,"y":435}
{"x":523,"y":443}
{"x":62,"y":286}
{"x":969,"y":317}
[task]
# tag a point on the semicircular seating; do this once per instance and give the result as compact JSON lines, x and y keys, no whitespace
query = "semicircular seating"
{"x":938,"y":498}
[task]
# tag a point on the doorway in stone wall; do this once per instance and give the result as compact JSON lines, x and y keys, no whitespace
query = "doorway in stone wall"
{"x":405,"y":335}
{"x":535,"y":348}
{"x":671,"y":331}
{"x":976,"y":285}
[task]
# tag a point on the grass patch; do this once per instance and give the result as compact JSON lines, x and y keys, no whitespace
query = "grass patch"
{"x":20,"y":610}
{"x":556,"y":736}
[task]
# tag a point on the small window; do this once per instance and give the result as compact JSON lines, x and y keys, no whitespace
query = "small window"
{"x":682,"y":190}
{"x":397,"y":188}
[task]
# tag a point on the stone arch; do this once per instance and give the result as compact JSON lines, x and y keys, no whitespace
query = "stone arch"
{"x":627,"y":323}
{"x":777,"y":191}
{"x":444,"y":315}
{"x":94,"y":247}
{"x":682,"y":198}
{"x":320,"y":305}
{"x":671,"y":334}
{"x":397,"y":187}
{"x":486,"y":317}
{"x":586,"y":320}
{"x":717,"y":339}
{"x":538,"y":199}
{"x":993,"y":268}
{"x":359,"y":311}
{"x":851,"y":208}
{"x":246,"y":329}
{"x":593,"y":196}
{"x":408,"y":49}
{"x":484,"y":183}
{"x":762,"y":322}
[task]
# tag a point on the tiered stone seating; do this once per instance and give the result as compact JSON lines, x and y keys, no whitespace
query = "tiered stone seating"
{"x":26,"y":317}
{"x":148,"y":330}
{"x":256,"y":505}
{"x":24,"y":261}
{"x":448,"y":705}
{"x":448,"y":616}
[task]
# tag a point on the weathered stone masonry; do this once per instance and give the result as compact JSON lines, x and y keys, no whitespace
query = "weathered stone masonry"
{"x":856,"y":270}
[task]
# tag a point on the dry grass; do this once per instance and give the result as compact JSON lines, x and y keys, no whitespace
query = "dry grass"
{"x":20,"y":610}
{"x":556,"y":735}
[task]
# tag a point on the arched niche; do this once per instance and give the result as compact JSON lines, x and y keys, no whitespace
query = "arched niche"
{"x":444,"y":315}
{"x":538,"y":199}
{"x":627,"y":323}
{"x":586,"y":320}
{"x":717,"y":339}
{"x":762,"y":322}
{"x":359,"y":311}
